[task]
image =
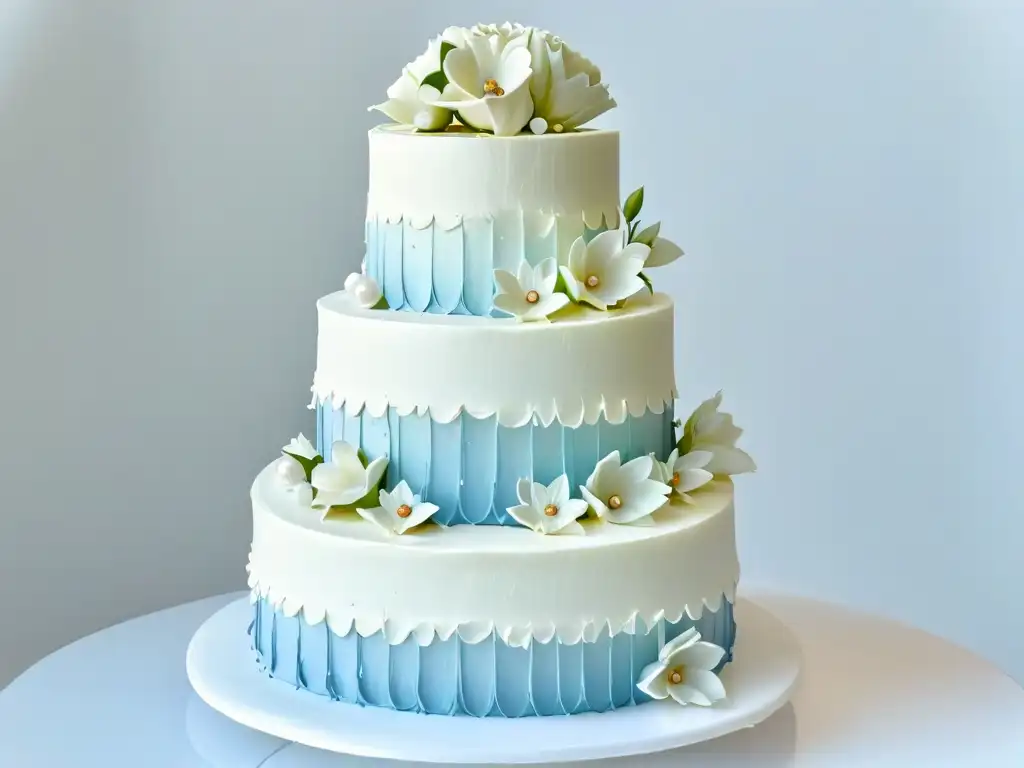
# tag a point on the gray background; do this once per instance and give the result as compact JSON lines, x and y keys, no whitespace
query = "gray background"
{"x":180,"y":181}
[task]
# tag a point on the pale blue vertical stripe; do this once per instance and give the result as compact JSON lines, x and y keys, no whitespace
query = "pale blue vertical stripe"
{"x":447,"y":268}
{"x":417,"y":266}
{"x":392,"y":285}
{"x":478,"y":260}
{"x":479,"y":465}
{"x":446,"y":469}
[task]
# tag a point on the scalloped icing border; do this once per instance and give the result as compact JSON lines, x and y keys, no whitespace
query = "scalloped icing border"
{"x":473,"y":632}
{"x":597,"y":218}
{"x":568,"y":415}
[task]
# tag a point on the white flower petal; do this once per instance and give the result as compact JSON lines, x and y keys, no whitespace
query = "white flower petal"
{"x":572,"y":528}
{"x":375,"y":471}
{"x":708,"y":683}
{"x":663,"y":252}
{"x":728,"y":460}
{"x":636,"y":470}
{"x":571,"y":285}
{"x":686,"y":694}
{"x":545,"y":276}
{"x":682,"y":641}
{"x":692,"y":479}
{"x":379,"y":516}
{"x":577,"y":256}
{"x":547,"y":306}
{"x":594,"y":501}
{"x":692,"y":460}
{"x":508,"y":283}
{"x":558,"y":490}
{"x":402,"y":494}
{"x":526,"y":515}
{"x":653,"y":680}
{"x":700,"y":655}
{"x":513,"y":305}
{"x":524,"y":490}
{"x":301,"y":446}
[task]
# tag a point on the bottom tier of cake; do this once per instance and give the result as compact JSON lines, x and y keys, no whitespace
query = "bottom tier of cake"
{"x":488,"y":678}
{"x":484,"y":620}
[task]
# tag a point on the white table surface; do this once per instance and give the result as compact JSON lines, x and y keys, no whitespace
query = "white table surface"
{"x":873,"y":693}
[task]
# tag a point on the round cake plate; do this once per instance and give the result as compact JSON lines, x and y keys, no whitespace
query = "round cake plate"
{"x":223,"y":671}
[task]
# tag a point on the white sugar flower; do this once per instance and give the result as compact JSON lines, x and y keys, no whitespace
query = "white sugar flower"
{"x":548,"y":509}
{"x":684,"y":671}
{"x":710,"y":430}
{"x":363,"y":289}
{"x":488,"y":83}
{"x":294,"y":467}
{"x":624,"y":493}
{"x":604,"y":271}
{"x":399,"y":510}
{"x":683,"y":473}
{"x":530,"y":295}
{"x":404,"y":104}
{"x":300,"y":447}
{"x":566,"y":86}
{"x":344,"y":480}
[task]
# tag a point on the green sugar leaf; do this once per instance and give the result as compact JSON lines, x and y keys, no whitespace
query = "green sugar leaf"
{"x":633,"y":205}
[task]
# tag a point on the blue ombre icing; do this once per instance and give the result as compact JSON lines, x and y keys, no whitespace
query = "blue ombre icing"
{"x":450,"y":271}
{"x":485,"y":679}
{"x":469,"y":467}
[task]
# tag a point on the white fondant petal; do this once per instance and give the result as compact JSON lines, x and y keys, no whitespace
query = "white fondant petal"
{"x":546,"y":275}
{"x":524,"y":490}
{"x":677,"y":645}
{"x":653,"y":681}
{"x":708,"y":683}
{"x":593,"y":501}
{"x":507,"y":282}
{"x":511,"y":304}
{"x":686,"y":694}
{"x":636,"y":470}
{"x":701,"y":655}
{"x":558,"y":490}
{"x":692,"y":479}
{"x":663,"y":252}
{"x":525,"y":515}
{"x":729,"y":460}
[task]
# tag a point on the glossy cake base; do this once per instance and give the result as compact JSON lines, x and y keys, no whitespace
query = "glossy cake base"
{"x":488,"y":678}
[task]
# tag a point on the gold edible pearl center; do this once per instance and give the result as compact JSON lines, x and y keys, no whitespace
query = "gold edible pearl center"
{"x":615,"y":502}
{"x":532,"y":297}
{"x":404,"y":511}
{"x":677,"y":675}
{"x":550,"y":510}
{"x":491,"y":88}
{"x":593,"y":281}
{"x":675,"y":479}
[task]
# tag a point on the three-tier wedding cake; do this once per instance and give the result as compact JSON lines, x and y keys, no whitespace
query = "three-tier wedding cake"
{"x":501,"y":515}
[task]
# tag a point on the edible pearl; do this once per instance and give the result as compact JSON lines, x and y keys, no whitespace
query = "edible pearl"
{"x":615,"y":502}
{"x":593,"y":281}
{"x":404,"y":511}
{"x":532,"y":297}
{"x":675,"y":677}
{"x":352,"y":280}
{"x":675,"y":479}
{"x":558,"y":128}
{"x":491,"y":88}
{"x":550,"y":510}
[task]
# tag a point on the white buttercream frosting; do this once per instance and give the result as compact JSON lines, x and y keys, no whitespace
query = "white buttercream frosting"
{"x":446,"y":177}
{"x":475,"y":580}
{"x":584,"y":366}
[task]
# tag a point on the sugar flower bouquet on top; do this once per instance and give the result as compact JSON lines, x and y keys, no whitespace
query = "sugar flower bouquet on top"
{"x":498,"y":79}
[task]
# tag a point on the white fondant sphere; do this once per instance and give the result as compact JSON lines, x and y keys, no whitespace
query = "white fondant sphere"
{"x":364,"y":290}
{"x":290,"y":471}
{"x":351,"y":280}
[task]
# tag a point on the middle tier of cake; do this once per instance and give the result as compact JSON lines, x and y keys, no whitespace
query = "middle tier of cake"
{"x":465,"y":407}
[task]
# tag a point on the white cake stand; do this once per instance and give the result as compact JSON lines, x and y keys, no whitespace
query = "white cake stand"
{"x":223,"y":671}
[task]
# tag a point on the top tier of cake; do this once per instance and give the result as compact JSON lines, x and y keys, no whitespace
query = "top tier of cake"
{"x":447,"y":209}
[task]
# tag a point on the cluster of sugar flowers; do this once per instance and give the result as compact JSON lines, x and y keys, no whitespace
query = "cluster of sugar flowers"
{"x":500,"y":79}
{"x":600,"y":271}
